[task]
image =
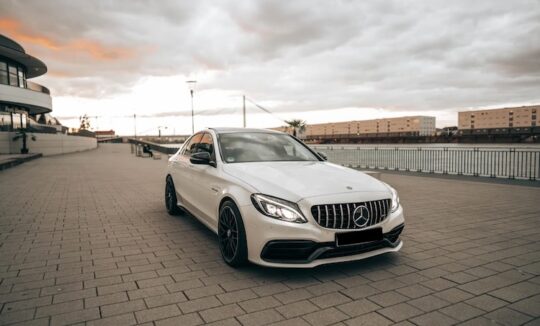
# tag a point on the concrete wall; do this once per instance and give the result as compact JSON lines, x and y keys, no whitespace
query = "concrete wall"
{"x":46,"y":144}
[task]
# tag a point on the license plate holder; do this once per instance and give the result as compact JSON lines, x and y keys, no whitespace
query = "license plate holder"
{"x":358,"y":237}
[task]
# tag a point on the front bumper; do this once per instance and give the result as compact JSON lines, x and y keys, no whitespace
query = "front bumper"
{"x":306,"y":251}
{"x":276,"y":243}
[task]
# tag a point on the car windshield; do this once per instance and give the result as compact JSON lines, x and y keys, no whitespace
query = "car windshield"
{"x":240,"y":147}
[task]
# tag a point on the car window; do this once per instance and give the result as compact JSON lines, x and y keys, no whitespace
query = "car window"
{"x":262,"y":147}
{"x":206,"y":144}
{"x":191,"y":145}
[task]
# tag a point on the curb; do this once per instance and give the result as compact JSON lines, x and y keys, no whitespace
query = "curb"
{"x":18,"y":160}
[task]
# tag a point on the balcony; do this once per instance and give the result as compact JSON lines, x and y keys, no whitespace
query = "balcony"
{"x":37,"y":88}
{"x":35,"y":98}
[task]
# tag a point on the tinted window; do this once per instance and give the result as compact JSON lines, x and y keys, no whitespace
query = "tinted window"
{"x":191,"y":145}
{"x":3,"y":77}
{"x":16,"y":121}
{"x":206,"y":144}
{"x":13,"y":80}
{"x":262,"y":147}
{"x":21,"y":79}
{"x":5,"y":121}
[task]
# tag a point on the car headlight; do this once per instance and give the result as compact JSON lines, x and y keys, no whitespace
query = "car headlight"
{"x":395,"y":199}
{"x":278,"y":208}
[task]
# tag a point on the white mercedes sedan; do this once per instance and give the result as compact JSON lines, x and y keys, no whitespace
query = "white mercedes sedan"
{"x":273,"y":201}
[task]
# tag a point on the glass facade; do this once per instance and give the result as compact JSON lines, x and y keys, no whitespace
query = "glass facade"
{"x":12,"y":73}
{"x":3,"y":73}
{"x":11,"y":121}
{"x":5,"y":121}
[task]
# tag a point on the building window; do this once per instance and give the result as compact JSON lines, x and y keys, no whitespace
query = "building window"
{"x":17,"y":121}
{"x":22,"y":80}
{"x":3,"y":73}
{"x":5,"y":121}
{"x":13,"y":80}
{"x":12,"y":73}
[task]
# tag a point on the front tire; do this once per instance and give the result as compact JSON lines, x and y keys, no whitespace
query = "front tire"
{"x":232,"y":235}
{"x":171,"y":202}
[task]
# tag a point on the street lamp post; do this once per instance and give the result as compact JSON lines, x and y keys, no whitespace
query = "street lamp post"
{"x":159,"y":130}
{"x":135,"y":125}
{"x":244,"y":109}
{"x":191,"y":84}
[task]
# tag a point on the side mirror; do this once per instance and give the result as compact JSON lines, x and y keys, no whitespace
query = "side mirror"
{"x":323,"y":155}
{"x":202,"y":158}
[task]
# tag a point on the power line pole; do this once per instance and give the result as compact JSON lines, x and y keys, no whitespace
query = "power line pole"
{"x":192,"y":114}
{"x":134,"y":125}
{"x":244,"y":109}
{"x":191,"y":84}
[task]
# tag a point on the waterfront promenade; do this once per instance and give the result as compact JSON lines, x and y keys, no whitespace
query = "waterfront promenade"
{"x":85,"y":238}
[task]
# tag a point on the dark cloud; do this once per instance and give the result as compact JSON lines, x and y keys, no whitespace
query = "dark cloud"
{"x":305,"y":55}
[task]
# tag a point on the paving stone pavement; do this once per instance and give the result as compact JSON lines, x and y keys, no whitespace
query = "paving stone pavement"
{"x":85,"y":239}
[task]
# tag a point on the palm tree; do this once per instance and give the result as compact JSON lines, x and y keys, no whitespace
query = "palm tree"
{"x":297,"y":125}
{"x":85,"y":122}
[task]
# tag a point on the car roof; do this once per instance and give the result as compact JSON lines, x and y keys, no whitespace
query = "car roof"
{"x":239,"y":130}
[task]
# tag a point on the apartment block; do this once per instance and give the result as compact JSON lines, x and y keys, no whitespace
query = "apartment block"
{"x":505,"y":118}
{"x":403,"y":126}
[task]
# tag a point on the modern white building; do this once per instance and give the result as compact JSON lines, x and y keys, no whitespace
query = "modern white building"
{"x":25,"y":107}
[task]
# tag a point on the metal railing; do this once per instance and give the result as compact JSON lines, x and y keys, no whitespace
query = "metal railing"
{"x":154,"y":146}
{"x":512,"y":163}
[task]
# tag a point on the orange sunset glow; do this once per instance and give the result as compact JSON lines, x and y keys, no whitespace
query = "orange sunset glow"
{"x":94,"y":49}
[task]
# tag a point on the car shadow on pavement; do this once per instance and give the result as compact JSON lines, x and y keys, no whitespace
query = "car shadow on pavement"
{"x":358,"y":267}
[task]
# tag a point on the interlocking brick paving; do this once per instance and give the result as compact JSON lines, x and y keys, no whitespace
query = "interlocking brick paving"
{"x":84,"y":238}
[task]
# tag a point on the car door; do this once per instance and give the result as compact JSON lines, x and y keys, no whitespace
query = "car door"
{"x":206,"y":182}
{"x":182,"y":173}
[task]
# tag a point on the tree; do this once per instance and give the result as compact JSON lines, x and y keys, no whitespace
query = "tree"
{"x":85,"y":122}
{"x":297,"y":125}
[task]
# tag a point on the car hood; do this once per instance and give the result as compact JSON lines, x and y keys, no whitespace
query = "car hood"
{"x":298,"y":180}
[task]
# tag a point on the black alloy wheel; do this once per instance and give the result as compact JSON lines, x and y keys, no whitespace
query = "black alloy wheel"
{"x":231,"y":235}
{"x":170,"y":197}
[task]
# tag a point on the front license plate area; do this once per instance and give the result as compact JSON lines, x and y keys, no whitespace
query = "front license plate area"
{"x":358,"y":237}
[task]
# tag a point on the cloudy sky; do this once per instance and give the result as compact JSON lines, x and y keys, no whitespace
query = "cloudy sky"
{"x":314,"y":60}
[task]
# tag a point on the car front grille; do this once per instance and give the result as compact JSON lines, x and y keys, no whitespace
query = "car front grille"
{"x":341,"y":216}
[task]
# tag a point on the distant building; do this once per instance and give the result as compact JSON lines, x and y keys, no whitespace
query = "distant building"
{"x":401,"y":126}
{"x":289,"y":130}
{"x":105,"y":134}
{"x":523,"y":119}
{"x":447,"y":131}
